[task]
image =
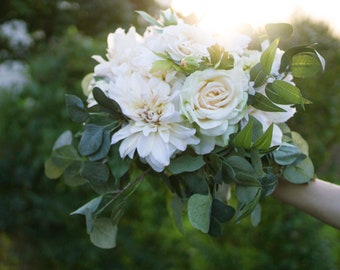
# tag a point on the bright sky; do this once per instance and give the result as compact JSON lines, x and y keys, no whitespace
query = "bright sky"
{"x":223,"y":14}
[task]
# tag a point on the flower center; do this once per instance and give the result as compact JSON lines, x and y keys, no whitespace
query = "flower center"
{"x":150,"y":115}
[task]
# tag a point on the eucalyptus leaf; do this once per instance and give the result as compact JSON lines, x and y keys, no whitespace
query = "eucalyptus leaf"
{"x":91,"y":139}
{"x":90,"y":207}
{"x":185,"y":163}
{"x":300,"y":173}
{"x":215,"y":228}
{"x":256,"y":215}
{"x":287,"y":154}
{"x":177,"y":208}
{"x":221,"y":211}
{"x":245,"y":209}
{"x":104,"y":233}
{"x":195,"y":183}
{"x":64,"y":139}
{"x":149,"y":18}
{"x":76,"y":109}
{"x":199,"y":210}
{"x":118,"y":165}
{"x":267,"y":57}
{"x":105,"y":101}
{"x":54,"y":170}
{"x":240,"y":164}
{"x":103,"y":149}
{"x":246,"y":194}
{"x":300,"y":142}
{"x":96,"y":173}
{"x":72,"y":175}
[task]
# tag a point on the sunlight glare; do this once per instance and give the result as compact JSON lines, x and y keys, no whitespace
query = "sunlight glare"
{"x":222,"y":16}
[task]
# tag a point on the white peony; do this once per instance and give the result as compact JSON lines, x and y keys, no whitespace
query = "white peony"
{"x":215,"y":100}
{"x":155,"y":128}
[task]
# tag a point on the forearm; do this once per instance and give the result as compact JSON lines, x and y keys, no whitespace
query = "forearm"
{"x":318,"y":198}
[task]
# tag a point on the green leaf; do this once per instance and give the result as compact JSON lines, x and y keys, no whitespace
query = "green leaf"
{"x":104,"y":233}
{"x":85,"y":83}
{"x":215,"y":228}
{"x":60,"y":159}
{"x":245,"y":209}
{"x":91,"y":139}
{"x":96,"y":173}
{"x":267,"y":57}
{"x":306,"y":65}
{"x":76,"y":109}
{"x":118,"y":166}
{"x":103,"y":149}
{"x":264,"y":142}
{"x":199,"y":210}
{"x":149,"y":19}
{"x":72,"y":175}
{"x":105,"y":101}
{"x":300,"y":142}
{"x":64,"y":139}
{"x":221,"y":211}
{"x":240,"y":164}
{"x":89,"y":207}
{"x":268,"y":183}
{"x":287,"y":57}
{"x":287,"y":154}
{"x":281,"y":30}
{"x":258,"y":75}
{"x":185,"y":163}
{"x":244,"y":137}
{"x":195,"y":183}
{"x":300,"y":173}
{"x":177,"y":208}
{"x":256,"y":215}
{"x":282,"y":92}
{"x":262,"y":103}
{"x":163,"y":65}
{"x":53,"y":170}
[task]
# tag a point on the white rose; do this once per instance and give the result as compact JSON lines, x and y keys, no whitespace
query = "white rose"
{"x":183,"y":40}
{"x":215,"y":100}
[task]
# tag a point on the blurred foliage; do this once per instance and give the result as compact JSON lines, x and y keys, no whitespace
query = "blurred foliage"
{"x":36,"y":230}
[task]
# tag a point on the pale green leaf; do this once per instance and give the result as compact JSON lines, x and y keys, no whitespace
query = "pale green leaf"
{"x":90,"y":207}
{"x":104,"y":233}
{"x":199,"y":210}
{"x":64,"y":139}
{"x":256,"y":215}
{"x":300,"y":173}
{"x":186,"y":163}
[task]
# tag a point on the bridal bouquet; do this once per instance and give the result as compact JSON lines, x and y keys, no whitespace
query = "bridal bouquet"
{"x":203,"y":113}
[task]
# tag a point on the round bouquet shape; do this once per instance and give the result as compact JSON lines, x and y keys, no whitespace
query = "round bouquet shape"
{"x":205,"y":115}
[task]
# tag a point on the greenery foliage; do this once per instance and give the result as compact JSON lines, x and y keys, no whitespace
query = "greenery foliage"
{"x":36,"y":231}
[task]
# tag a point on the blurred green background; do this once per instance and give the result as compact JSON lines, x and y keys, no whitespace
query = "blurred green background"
{"x":36,"y":230}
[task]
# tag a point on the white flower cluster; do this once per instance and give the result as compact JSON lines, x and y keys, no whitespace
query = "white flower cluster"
{"x":170,"y":101}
